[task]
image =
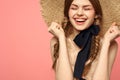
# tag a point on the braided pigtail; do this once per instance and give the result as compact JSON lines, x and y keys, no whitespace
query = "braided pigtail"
{"x":94,"y":52}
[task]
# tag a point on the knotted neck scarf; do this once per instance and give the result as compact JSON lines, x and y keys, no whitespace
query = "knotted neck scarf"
{"x":83,"y":40}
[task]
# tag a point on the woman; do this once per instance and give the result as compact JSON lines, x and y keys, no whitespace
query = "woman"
{"x":82,"y":16}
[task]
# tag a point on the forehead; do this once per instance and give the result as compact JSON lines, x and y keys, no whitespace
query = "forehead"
{"x":81,"y":2}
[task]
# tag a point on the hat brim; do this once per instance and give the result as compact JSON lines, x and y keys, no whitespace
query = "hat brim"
{"x":111,"y":13}
{"x":53,"y":10}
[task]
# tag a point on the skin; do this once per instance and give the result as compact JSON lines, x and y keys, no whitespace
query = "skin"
{"x":82,"y":10}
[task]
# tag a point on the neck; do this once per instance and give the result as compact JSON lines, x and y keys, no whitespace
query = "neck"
{"x":74,"y":33}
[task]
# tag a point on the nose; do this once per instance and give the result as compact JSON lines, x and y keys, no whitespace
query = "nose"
{"x":80,"y":12}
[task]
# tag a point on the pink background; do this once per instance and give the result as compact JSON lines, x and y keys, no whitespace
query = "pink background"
{"x":24,"y":43}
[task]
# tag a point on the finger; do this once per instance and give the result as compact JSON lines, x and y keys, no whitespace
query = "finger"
{"x":117,"y":27}
{"x":111,"y":31}
{"x":58,"y":26}
{"x":51,"y":31}
{"x":53,"y":26}
{"x":114,"y":24}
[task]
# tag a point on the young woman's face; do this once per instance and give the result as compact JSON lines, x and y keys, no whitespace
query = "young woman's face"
{"x":81,"y":14}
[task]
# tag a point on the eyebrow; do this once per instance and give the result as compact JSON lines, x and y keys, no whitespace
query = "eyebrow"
{"x":83,"y":5}
{"x":74,"y":5}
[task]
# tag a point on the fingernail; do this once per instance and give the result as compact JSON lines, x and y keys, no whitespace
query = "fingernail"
{"x":114,"y":23}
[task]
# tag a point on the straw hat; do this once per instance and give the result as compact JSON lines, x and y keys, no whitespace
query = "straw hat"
{"x":52,"y":10}
{"x":111,"y":13}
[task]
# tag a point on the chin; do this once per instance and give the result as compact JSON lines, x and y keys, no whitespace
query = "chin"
{"x":81,"y":27}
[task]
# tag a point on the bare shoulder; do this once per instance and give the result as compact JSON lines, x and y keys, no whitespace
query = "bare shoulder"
{"x":53,"y":41}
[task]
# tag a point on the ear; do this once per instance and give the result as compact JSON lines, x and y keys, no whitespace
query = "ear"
{"x":96,"y":20}
{"x":96,"y":16}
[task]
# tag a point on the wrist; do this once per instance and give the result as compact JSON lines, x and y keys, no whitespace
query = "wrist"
{"x":105,"y":41}
{"x":61,"y":37}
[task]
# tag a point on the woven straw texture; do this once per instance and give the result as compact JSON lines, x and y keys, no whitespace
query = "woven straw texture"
{"x":111,"y":13}
{"x":52,"y":10}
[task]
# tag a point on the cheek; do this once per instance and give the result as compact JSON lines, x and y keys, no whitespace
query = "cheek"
{"x":71,"y":13}
{"x":91,"y":15}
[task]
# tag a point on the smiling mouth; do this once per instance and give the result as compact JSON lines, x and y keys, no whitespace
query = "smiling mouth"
{"x":80,"y":21}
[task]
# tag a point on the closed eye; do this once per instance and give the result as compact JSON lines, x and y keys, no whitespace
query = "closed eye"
{"x":87,"y":8}
{"x":74,"y":7}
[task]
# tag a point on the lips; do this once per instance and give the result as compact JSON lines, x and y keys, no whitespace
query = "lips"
{"x":80,"y":21}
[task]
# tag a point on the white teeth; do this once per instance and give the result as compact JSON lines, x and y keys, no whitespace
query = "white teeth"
{"x":80,"y":20}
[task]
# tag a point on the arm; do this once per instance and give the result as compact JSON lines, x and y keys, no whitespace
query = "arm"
{"x":112,"y":55}
{"x":106,"y":60}
{"x":63,"y":68}
{"x":107,"y":54}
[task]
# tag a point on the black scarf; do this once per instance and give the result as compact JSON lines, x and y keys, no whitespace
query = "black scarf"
{"x":83,"y":40}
